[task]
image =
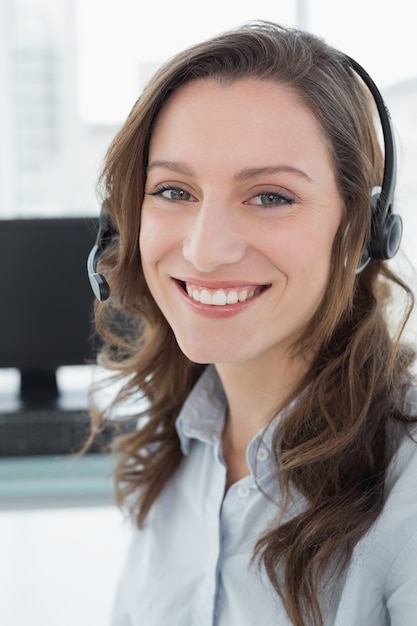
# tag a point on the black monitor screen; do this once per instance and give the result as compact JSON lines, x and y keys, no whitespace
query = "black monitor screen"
{"x":46,"y":302}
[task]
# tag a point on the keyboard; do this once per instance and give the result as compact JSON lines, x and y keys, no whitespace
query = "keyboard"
{"x":40,"y":431}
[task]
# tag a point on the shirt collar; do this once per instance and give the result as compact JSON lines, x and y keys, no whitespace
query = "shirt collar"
{"x":203,"y":414}
{"x":203,"y":417}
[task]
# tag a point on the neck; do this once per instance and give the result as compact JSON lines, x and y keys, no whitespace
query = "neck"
{"x":254,"y":395}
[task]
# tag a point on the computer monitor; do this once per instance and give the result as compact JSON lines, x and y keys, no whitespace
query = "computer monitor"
{"x":46,"y":303}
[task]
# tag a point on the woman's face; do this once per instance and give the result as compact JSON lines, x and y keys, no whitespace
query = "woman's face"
{"x":240,"y":212}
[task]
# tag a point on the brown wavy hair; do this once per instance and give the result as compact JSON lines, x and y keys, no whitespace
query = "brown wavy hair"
{"x":335,"y":445}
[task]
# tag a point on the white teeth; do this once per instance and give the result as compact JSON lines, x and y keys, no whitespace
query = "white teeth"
{"x":243,"y":295}
{"x":232,"y":297}
{"x":205,"y":297}
{"x":220,"y":297}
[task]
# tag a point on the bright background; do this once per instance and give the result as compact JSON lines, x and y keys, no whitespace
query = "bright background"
{"x":379,"y":34}
{"x":70,"y":71}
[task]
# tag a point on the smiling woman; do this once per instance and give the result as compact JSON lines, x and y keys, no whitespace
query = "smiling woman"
{"x":246,"y":230}
{"x":226,"y":212}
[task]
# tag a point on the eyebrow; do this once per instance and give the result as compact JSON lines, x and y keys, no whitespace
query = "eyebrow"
{"x":181,"y":168}
{"x":174,"y":166}
{"x":271,"y":169}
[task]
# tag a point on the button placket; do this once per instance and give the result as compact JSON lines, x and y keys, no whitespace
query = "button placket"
{"x":207,"y":594}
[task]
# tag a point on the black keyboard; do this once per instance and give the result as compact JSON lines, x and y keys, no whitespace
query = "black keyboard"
{"x":42,"y":431}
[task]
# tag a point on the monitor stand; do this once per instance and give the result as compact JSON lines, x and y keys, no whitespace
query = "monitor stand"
{"x":38,"y":388}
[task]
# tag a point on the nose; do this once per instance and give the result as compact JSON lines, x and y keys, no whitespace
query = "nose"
{"x":214,"y":237}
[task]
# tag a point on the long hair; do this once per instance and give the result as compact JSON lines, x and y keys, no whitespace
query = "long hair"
{"x":335,"y":445}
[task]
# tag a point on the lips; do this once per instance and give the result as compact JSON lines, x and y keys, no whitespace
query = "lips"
{"x":222,"y":296}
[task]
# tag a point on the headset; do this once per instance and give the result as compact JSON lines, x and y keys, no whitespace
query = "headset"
{"x":386,"y":225}
{"x":106,"y":234}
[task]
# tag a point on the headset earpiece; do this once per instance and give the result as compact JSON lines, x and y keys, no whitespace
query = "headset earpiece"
{"x":105,"y":235}
{"x":386,"y":230}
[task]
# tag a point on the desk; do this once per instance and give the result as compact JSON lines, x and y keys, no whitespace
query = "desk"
{"x":38,"y":464}
{"x":55,"y":482}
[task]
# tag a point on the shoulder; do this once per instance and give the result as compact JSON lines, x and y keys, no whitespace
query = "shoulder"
{"x":394,"y":535}
{"x":402,"y":471}
{"x":397,"y":531}
{"x":387,"y":553}
{"x":396,"y":525}
{"x":379,"y":587}
{"x":401,"y":483}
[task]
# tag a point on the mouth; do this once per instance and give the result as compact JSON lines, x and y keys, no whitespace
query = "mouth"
{"x":221,"y":296}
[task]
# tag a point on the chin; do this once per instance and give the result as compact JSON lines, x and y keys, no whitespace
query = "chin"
{"x":200,"y":356}
{"x":204,"y":353}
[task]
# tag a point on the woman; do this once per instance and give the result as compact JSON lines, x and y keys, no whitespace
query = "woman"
{"x":272,"y":476}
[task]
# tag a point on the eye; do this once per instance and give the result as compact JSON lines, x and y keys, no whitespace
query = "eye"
{"x":172,"y":193}
{"x":270,"y":199}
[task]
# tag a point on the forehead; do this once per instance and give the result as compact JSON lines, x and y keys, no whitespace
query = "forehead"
{"x":267,"y":93}
{"x":248,"y":119}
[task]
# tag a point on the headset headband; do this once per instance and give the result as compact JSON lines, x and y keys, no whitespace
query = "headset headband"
{"x":386,"y":226}
{"x":390,"y":156}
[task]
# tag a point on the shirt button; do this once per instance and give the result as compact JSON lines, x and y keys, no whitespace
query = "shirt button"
{"x":262,"y":454}
{"x":243,"y":491}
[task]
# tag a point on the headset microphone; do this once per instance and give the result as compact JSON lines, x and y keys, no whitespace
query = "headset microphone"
{"x":105,"y":235}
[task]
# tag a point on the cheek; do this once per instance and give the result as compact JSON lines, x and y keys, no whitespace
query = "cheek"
{"x":149,"y":244}
{"x":158,"y":236}
{"x":303,"y":256}
{"x":158,"y":246}
{"x":152,"y":240}
{"x":302,"y":249}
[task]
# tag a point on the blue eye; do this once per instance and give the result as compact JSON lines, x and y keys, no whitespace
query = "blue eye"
{"x":271,"y":198}
{"x":174,"y":194}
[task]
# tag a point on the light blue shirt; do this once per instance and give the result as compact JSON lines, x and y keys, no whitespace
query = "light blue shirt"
{"x":191,"y":563}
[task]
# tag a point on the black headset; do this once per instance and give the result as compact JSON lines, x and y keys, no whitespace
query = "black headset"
{"x":386,"y":226}
{"x":105,"y":235}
